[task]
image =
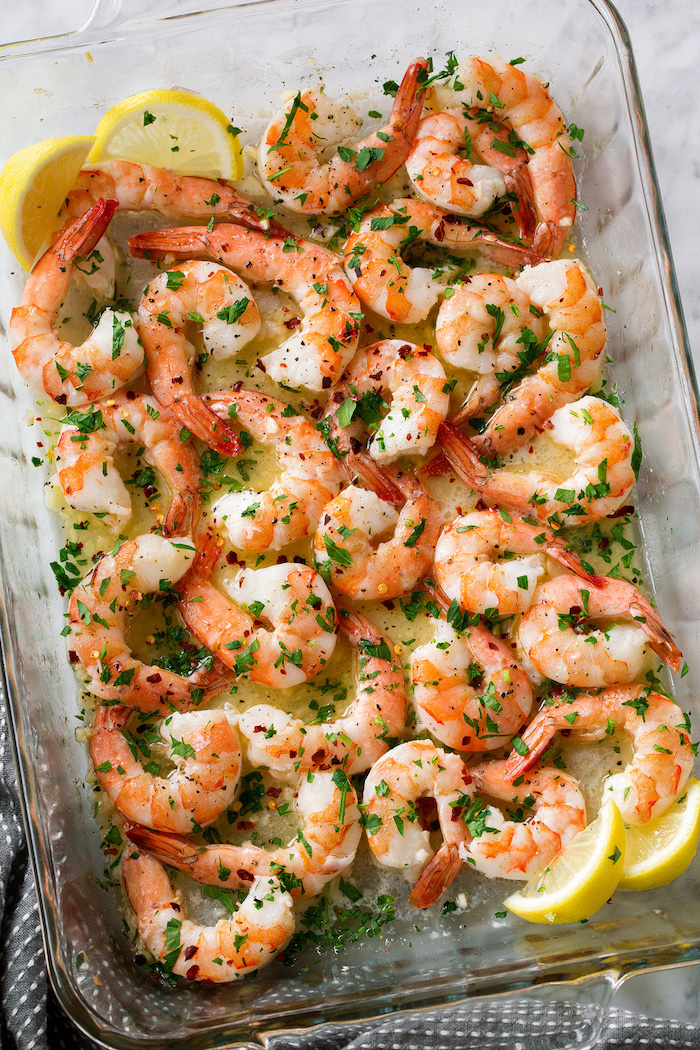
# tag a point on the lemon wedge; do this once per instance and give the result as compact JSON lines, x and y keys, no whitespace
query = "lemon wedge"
{"x":661,"y":850}
{"x":171,"y":129}
{"x":581,"y":877}
{"x":33,"y":185}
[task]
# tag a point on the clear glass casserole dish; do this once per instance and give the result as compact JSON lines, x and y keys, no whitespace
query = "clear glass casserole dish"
{"x":247,"y":53}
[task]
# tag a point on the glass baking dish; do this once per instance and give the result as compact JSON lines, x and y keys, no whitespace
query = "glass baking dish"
{"x":248,"y":53}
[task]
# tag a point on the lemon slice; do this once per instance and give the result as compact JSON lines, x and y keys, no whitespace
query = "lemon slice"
{"x":170,"y":129}
{"x":33,"y":185}
{"x":580,"y":878}
{"x":662,"y":849}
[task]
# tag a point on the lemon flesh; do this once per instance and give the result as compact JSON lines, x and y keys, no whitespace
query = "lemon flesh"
{"x":661,"y":850}
{"x":581,"y":877}
{"x":171,"y":129}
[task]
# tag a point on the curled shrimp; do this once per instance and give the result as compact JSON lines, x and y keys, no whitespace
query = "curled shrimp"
{"x":324,"y":846}
{"x":290,"y":508}
{"x":349,"y":549}
{"x":224,"y":306}
{"x":286,"y":746}
{"x":469,"y":690}
{"x":520,"y":848}
{"x":414,"y":381}
{"x":232,"y":948}
{"x":555,"y":632}
{"x":204,"y":749}
{"x":289,"y":154}
{"x":384,"y":282}
{"x":394,"y":785}
{"x":326,"y":338}
{"x":90,"y":440}
{"x":111,"y":356}
{"x":603,"y":448}
{"x":292,"y":598}
{"x":662,"y":755}
{"x":466,"y":569}
{"x":99,"y":613}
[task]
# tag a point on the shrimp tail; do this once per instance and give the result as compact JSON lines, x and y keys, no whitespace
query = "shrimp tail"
{"x":661,"y":639}
{"x":166,"y":846}
{"x":537,"y":739}
{"x":436,"y":876}
{"x":571,"y":562}
{"x":194,"y":414}
{"x":462,"y":455}
{"x":180,"y":518}
{"x":359,"y":464}
{"x":524,"y":211}
{"x":547,"y":240}
{"x":183,"y":242}
{"x":83,"y":235}
{"x":408,"y":104}
{"x":501,"y":252}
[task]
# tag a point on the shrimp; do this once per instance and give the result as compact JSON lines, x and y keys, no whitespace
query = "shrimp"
{"x":204,"y":749}
{"x":521,"y":848}
{"x":112,"y":355}
{"x":90,"y":440}
{"x":290,"y":508}
{"x":604,"y":455}
{"x":292,"y":598}
{"x":415,"y":381}
{"x":384,"y":282}
{"x":466,"y":570}
{"x":316,"y":354}
{"x":395,"y":783}
{"x":662,"y":757}
{"x":234,"y":947}
{"x":99,"y":613}
{"x":469,"y":690}
{"x":290,"y":151}
{"x":324,"y":846}
{"x":223,"y":304}
{"x":286,"y":746}
{"x":555,"y":632}
{"x":347,"y":545}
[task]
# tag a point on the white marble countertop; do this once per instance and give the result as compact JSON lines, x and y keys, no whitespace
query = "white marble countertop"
{"x":666,"y":42}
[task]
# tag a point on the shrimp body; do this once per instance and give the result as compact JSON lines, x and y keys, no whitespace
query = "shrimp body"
{"x":292,"y":599}
{"x":287,"y":747}
{"x":111,"y":356}
{"x":224,"y":306}
{"x":469,"y":690}
{"x":662,"y":755}
{"x":321,"y":346}
{"x":466,"y":569}
{"x":324,"y":846}
{"x":232,"y":948}
{"x":289,"y":154}
{"x":603,"y":449}
{"x":204,"y":749}
{"x":520,"y":849}
{"x":290,"y":508}
{"x":555,"y":633}
{"x":86,"y":451}
{"x":349,"y":550}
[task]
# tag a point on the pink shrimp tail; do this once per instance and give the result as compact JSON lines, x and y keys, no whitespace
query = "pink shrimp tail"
{"x":661,"y":639}
{"x":525,"y":213}
{"x":436,"y":876}
{"x":408,"y":104}
{"x":462,"y":455}
{"x":537,"y":739}
{"x":180,"y":519}
{"x":572,"y":562}
{"x":548,"y":239}
{"x":165,"y":846}
{"x":194,"y":414}
{"x":363,"y":466}
{"x":83,"y":235}
{"x":182,"y":242}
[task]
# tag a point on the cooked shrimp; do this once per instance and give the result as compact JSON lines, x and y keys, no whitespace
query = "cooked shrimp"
{"x":316,"y":354}
{"x":232,"y":948}
{"x":90,"y":440}
{"x":290,"y":151}
{"x":99,"y":614}
{"x":204,"y":749}
{"x":291,"y":507}
{"x":287,"y":746}
{"x":466,"y":569}
{"x":292,"y":598}
{"x":395,"y":783}
{"x":469,"y":690}
{"x":520,"y":848}
{"x":414,"y":381}
{"x":109,"y":358}
{"x":324,"y":846}
{"x":407,"y":294}
{"x":604,"y":473}
{"x":556,"y":635}
{"x":224,"y":306}
{"x":662,"y":757}
{"x":348,"y":548}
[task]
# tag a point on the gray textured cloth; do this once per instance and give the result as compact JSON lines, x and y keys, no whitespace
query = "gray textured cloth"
{"x":31,"y":1019}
